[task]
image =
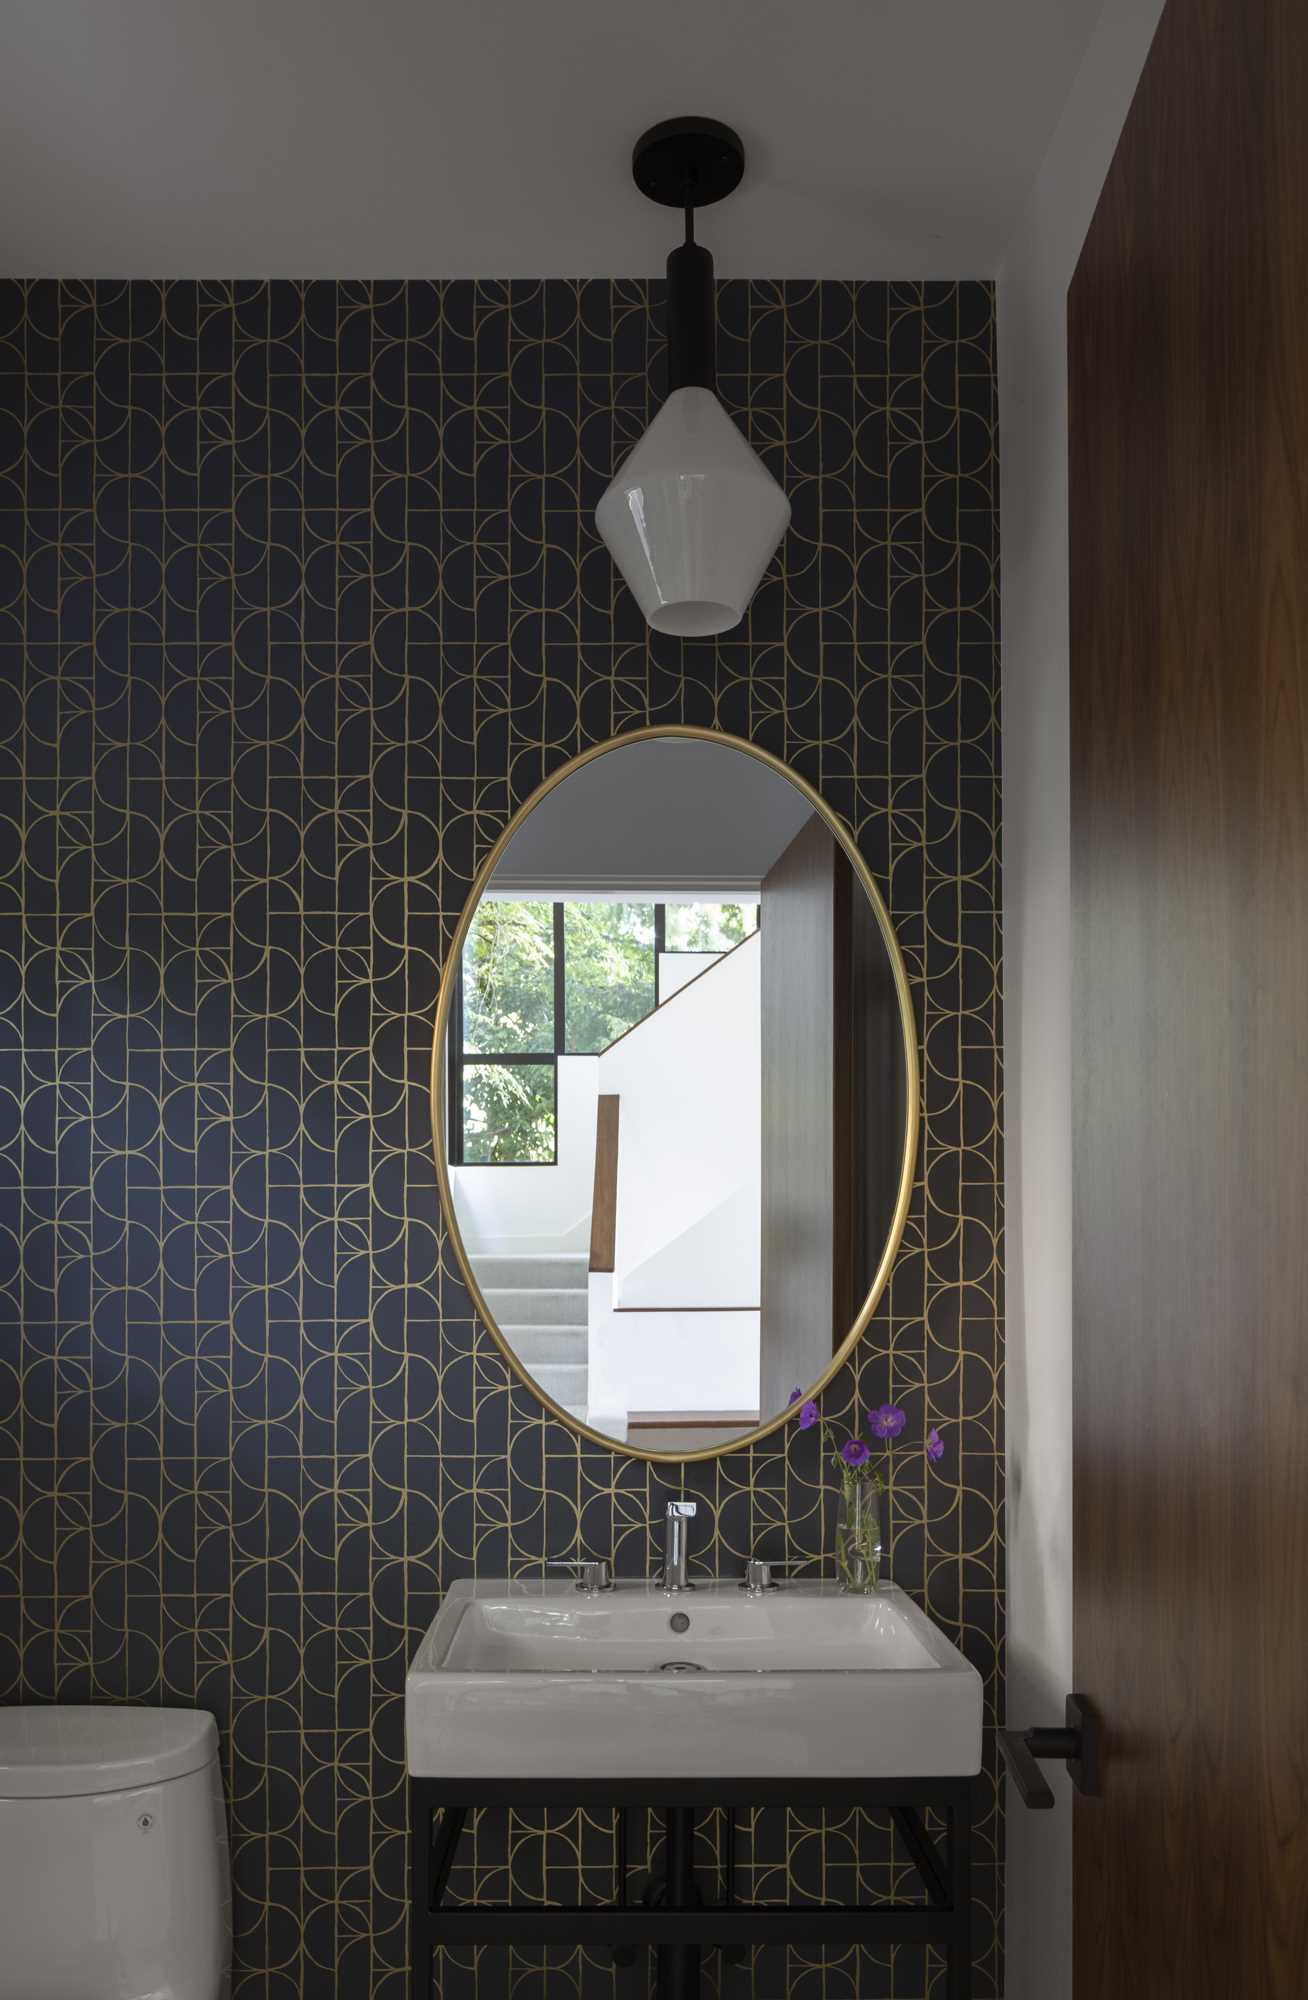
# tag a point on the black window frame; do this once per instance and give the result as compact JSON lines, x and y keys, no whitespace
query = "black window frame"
{"x":458,"y":1058}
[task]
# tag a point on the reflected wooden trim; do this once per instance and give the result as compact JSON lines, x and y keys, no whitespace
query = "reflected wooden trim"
{"x":604,"y":1201}
{"x":800,"y":1060}
{"x":684,"y":1309}
{"x":688,"y":1420}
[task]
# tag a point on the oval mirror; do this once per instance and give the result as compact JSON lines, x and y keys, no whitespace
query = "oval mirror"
{"x":675,"y":1092}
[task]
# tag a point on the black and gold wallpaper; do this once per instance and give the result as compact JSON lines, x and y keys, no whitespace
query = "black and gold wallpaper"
{"x":300,"y":596}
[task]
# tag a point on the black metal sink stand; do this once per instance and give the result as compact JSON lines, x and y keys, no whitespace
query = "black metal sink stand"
{"x":678,"y":1925}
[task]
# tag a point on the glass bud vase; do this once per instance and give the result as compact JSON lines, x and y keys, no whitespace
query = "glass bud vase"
{"x":858,"y":1535}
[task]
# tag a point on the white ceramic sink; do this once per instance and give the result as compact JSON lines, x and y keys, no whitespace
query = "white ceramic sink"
{"x":539,"y":1680}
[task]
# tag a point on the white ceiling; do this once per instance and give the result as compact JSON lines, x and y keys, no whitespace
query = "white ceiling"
{"x":666,"y":813}
{"x":457,"y":138}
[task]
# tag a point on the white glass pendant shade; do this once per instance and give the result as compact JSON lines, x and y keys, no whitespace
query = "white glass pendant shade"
{"x":693,"y":518}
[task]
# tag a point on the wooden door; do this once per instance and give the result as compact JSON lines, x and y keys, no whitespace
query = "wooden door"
{"x":1188,"y":343}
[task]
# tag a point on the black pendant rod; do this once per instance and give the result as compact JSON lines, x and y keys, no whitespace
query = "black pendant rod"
{"x":687,"y":163}
{"x":692,"y":318}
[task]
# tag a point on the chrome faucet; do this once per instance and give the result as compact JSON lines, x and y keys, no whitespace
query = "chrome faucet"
{"x":676,"y":1515}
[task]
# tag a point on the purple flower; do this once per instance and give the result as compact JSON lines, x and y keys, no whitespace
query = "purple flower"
{"x":935,"y":1446}
{"x":887,"y":1422}
{"x":855,"y":1452}
{"x":795,"y":1394}
{"x":808,"y":1416}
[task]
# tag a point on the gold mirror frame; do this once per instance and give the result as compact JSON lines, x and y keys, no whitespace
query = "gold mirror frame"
{"x":908,"y":1024}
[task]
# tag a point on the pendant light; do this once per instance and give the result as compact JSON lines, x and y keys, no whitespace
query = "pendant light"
{"x":694,"y":516}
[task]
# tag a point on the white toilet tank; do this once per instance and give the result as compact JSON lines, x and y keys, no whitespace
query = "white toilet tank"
{"x":113,"y":1856}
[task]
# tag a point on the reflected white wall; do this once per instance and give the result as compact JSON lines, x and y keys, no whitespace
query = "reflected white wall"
{"x":668,"y":1360}
{"x":678,"y":968}
{"x":689,"y":1085}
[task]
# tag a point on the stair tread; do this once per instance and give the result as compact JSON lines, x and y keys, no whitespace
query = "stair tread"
{"x":532,"y":1306}
{"x":534,"y":1256}
{"x":577,"y":1292}
{"x":540,"y":1326}
{"x":550,"y":1260}
{"x":530,"y":1348}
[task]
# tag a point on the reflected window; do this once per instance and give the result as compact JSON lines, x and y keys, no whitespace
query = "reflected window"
{"x":708,"y":926}
{"x":608,"y":972}
{"x":508,"y":979}
{"x":540,"y":980}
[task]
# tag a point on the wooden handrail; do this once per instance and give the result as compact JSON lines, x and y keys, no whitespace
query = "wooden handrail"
{"x":604,"y":1202}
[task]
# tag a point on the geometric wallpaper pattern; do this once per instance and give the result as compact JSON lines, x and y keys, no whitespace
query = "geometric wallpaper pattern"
{"x":300,"y":598}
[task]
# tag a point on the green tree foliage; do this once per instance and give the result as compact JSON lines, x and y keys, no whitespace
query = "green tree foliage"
{"x":508,"y":979}
{"x":708,"y":926}
{"x":608,"y":959}
{"x":508,"y":1114}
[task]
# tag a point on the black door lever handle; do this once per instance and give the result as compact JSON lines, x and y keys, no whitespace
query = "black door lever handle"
{"x":1077,"y":1743}
{"x":1026,"y":1774}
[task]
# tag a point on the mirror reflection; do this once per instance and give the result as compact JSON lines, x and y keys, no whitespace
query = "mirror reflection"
{"x":675,"y":1078}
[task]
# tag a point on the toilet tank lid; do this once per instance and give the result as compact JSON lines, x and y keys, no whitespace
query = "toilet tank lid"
{"x":59,"y":1752}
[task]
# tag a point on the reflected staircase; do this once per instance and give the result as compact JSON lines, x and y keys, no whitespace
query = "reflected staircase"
{"x":539,"y":1302}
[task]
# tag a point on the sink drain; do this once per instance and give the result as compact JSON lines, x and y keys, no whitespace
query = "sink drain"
{"x":681,"y":1667}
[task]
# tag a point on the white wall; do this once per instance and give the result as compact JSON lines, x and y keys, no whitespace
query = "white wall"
{"x":689,"y":1084}
{"x":1032,"y":318}
{"x":678,"y":968}
{"x":537,"y":1208}
{"x":667,"y":1360}
{"x":713,"y":1261}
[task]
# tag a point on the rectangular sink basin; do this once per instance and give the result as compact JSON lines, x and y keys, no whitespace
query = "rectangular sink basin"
{"x":537,"y":1680}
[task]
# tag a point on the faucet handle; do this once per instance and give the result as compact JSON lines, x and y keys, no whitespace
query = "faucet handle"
{"x":682,"y":1510}
{"x":592,"y":1574}
{"x":758,"y":1575}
